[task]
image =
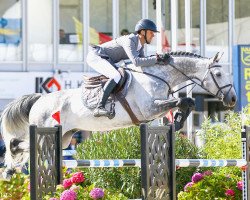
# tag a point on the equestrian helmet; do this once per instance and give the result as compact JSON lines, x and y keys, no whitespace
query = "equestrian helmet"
{"x":145,"y":24}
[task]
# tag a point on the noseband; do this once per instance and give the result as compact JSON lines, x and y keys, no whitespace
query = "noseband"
{"x":220,"y":94}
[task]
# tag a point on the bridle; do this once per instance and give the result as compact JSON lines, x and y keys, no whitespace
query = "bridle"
{"x":220,"y":88}
{"x":219,"y":94}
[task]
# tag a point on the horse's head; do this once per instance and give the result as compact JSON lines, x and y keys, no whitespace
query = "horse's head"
{"x":218,"y":83}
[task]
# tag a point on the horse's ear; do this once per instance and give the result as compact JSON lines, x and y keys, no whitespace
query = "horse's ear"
{"x":217,"y":57}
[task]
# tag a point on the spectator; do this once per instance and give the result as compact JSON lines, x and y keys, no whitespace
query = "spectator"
{"x":63,"y":38}
{"x":72,"y":146}
{"x":124,"y":32}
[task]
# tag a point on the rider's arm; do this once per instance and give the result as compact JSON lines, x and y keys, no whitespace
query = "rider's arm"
{"x":138,"y":59}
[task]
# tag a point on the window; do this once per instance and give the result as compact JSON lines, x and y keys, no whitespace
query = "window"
{"x":10,"y":31}
{"x":40,"y":35}
{"x":100,"y":21}
{"x":130,"y":13}
{"x":242,"y":22}
{"x":70,"y":31}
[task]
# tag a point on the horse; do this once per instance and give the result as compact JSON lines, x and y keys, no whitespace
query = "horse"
{"x":149,"y":94}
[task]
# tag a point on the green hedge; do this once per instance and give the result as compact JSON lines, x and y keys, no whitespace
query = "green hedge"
{"x":125,"y":144}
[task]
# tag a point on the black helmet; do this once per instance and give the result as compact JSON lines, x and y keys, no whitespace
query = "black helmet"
{"x":145,"y":24}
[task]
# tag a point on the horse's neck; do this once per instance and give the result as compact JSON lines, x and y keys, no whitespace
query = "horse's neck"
{"x":182,"y":69}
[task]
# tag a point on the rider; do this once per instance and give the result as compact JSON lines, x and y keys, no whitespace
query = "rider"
{"x":102,"y":58}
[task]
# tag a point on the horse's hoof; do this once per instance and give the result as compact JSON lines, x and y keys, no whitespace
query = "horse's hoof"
{"x":7,"y":174}
{"x":111,"y":115}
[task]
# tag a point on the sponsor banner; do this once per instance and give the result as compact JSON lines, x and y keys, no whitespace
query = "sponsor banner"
{"x":245,"y":76}
{"x":16,"y":84}
{"x":242,"y":76}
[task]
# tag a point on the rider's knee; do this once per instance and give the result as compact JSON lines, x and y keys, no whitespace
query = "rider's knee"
{"x":89,"y":57}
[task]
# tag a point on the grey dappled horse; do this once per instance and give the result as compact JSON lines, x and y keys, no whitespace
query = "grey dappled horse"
{"x":149,"y":96}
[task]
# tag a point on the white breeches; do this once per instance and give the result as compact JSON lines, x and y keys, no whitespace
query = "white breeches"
{"x":102,"y":66}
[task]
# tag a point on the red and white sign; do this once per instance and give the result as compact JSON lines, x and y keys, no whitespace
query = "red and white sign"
{"x":16,"y":84}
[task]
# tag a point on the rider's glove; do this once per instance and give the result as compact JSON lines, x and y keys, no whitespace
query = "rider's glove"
{"x":163,"y":59}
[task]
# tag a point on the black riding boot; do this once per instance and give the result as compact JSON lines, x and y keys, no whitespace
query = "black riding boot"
{"x":108,"y":88}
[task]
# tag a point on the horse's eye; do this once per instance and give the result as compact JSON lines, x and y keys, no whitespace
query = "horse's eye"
{"x":217,"y":73}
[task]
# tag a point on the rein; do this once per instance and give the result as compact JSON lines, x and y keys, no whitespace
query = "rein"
{"x":192,"y":80}
{"x":157,"y":77}
{"x":201,"y":84}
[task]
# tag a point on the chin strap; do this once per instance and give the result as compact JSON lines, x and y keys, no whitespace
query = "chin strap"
{"x":145,"y":37}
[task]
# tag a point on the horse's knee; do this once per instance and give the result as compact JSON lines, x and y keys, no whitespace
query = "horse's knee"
{"x":186,"y":103}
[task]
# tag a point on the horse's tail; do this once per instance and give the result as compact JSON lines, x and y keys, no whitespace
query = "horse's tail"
{"x":16,"y":114}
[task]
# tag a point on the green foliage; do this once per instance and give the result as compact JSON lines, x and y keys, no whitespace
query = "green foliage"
{"x":213,"y":186}
{"x":223,"y":140}
{"x":184,"y":149}
{"x":122,"y":143}
{"x":16,"y":188}
{"x":118,"y":144}
{"x":125,"y":144}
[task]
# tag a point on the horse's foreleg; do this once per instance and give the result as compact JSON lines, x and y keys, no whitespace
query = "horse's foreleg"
{"x":166,"y":104}
{"x":185,"y":105}
{"x":182,"y":103}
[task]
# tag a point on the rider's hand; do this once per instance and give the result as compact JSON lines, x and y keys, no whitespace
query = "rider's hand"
{"x":163,"y":59}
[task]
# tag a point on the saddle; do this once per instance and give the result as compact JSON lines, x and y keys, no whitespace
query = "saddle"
{"x":92,"y":91}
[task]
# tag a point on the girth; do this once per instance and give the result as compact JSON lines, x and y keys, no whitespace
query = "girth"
{"x":97,"y":81}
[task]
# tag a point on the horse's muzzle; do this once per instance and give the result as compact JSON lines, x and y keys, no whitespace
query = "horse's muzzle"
{"x":230,"y":98}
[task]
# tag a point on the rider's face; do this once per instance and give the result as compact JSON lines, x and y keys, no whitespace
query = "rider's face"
{"x":150,"y":35}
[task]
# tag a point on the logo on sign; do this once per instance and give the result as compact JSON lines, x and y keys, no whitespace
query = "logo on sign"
{"x":49,"y":85}
{"x":245,"y":55}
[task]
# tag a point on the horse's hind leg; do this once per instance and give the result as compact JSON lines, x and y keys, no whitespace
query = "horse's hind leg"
{"x":8,"y":162}
{"x":16,"y":152}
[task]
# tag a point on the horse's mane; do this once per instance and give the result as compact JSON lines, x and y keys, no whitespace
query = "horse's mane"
{"x":185,"y":54}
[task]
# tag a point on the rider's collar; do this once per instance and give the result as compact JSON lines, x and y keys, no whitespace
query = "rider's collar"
{"x":139,"y":45}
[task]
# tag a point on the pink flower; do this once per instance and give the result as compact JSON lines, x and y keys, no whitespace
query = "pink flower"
{"x":77,"y":177}
{"x":68,"y":195}
{"x":229,"y":192}
{"x":207,"y":173}
{"x":96,"y":193}
{"x":75,"y":188}
{"x":53,"y":198}
{"x":29,"y":187}
{"x":240,"y":185}
{"x":67,"y":183}
{"x":188,"y":185}
{"x":197,"y":177}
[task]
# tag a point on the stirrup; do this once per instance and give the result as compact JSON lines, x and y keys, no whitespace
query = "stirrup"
{"x":99,"y":112}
